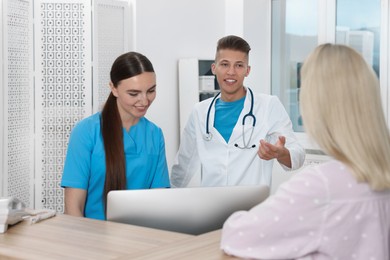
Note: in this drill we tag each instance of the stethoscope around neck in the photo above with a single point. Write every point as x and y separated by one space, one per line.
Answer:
208 136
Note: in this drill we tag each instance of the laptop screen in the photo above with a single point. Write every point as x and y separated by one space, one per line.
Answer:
194 210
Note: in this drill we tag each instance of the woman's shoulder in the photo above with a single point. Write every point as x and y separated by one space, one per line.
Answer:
89 123
333 170
337 178
323 170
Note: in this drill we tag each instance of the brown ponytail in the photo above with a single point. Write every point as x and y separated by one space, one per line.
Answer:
113 146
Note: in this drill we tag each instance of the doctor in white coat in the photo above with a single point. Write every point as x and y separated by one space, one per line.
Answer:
235 136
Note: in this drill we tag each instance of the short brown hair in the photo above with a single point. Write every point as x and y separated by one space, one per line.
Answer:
233 42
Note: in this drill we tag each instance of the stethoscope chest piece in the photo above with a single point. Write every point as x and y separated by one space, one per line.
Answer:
208 136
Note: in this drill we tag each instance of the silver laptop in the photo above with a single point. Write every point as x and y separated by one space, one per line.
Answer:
194 210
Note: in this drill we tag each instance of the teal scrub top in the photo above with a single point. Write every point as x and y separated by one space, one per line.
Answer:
226 116
85 164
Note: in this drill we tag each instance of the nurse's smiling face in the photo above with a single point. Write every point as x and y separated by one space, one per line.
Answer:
134 96
231 67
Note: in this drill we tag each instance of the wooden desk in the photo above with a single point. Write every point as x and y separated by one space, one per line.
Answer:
204 247
67 237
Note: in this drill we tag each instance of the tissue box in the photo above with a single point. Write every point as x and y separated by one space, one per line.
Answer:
206 83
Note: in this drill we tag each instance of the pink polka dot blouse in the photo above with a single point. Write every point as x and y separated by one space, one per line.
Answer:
320 213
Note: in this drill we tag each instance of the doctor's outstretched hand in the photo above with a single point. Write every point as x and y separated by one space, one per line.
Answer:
268 151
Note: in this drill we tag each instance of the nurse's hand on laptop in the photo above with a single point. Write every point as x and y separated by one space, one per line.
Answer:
268 151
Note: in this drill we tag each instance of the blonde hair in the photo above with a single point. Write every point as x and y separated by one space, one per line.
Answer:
341 109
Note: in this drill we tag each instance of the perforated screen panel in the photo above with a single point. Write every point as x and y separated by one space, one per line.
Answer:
47 86
110 40
18 92
63 88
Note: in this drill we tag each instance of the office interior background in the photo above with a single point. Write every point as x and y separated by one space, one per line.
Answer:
57 55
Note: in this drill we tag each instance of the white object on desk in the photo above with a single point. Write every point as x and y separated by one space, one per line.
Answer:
11 212
35 216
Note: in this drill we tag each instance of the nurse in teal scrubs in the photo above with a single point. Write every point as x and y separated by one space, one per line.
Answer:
117 148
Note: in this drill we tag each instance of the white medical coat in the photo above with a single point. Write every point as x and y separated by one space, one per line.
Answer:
223 164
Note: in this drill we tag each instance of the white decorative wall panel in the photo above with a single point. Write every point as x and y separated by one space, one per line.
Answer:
47 76
18 101
63 88
2 102
111 30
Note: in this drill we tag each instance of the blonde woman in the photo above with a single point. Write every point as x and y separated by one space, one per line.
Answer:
339 209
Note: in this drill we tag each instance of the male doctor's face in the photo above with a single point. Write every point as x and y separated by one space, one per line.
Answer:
231 67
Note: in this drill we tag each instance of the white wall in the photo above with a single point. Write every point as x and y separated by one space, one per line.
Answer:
2 100
257 31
